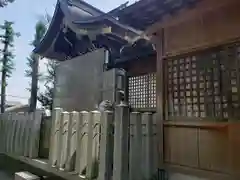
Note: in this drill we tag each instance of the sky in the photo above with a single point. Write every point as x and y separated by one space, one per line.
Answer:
25 14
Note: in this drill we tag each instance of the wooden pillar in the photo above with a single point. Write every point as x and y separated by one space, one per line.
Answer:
158 40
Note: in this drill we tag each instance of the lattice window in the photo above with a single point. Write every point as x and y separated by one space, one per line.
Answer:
142 91
205 84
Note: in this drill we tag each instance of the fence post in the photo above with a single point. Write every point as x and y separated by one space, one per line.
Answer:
106 146
93 145
121 132
72 140
64 139
135 146
35 134
55 133
82 135
147 121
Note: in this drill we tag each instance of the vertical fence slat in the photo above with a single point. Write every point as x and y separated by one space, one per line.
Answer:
24 133
64 139
55 133
72 141
35 134
17 135
106 146
147 121
21 133
1 132
93 144
8 133
155 144
29 119
79 125
59 141
81 161
135 146
121 131
14 130
4 127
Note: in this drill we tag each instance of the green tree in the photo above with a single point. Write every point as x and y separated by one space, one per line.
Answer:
33 64
7 40
5 2
46 97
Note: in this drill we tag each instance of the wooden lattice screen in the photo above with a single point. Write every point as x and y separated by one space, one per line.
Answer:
205 84
142 91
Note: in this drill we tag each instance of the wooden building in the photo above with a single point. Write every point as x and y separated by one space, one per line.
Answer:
188 72
86 42
198 84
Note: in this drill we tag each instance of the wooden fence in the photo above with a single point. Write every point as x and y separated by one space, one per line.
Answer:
105 145
20 133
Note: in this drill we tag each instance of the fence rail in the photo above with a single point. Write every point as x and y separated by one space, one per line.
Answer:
20 133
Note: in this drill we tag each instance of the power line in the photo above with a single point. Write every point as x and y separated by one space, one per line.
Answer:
21 97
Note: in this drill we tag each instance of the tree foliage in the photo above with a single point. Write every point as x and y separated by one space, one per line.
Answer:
5 2
7 39
46 97
33 64
40 29
30 64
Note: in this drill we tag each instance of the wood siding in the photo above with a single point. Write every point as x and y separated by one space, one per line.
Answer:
215 27
202 148
211 147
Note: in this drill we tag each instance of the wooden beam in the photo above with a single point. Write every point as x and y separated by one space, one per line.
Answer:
205 6
159 42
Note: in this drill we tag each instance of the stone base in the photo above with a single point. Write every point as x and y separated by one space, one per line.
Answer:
25 176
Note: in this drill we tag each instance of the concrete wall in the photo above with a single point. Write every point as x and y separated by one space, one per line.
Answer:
80 82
